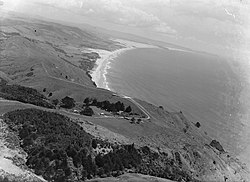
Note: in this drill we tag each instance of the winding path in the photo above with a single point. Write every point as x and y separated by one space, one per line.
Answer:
138 105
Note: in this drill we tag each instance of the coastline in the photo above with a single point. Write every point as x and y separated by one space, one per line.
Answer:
102 64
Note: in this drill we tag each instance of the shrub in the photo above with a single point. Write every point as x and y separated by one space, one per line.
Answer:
87 111
86 101
94 144
128 109
68 102
198 124
55 101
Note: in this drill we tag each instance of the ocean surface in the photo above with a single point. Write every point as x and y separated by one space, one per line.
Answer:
204 87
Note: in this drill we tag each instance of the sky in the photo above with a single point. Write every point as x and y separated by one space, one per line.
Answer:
193 23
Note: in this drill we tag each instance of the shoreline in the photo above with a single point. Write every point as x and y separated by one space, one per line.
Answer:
102 64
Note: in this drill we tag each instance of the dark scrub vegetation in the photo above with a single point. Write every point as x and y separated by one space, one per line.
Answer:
68 102
87 111
23 94
60 150
197 124
49 139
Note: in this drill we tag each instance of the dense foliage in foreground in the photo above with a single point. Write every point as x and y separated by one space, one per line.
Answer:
23 94
60 150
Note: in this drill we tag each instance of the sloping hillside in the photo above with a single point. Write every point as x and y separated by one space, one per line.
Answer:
32 50
59 143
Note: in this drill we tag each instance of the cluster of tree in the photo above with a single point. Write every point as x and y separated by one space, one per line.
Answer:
68 102
161 165
106 105
23 94
126 156
49 139
52 140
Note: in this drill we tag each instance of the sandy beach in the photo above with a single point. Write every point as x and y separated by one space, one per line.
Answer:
99 72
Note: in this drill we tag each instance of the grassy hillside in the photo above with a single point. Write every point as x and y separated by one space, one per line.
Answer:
42 62
23 94
51 58
33 49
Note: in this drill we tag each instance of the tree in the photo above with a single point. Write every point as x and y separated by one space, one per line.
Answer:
94 102
67 171
99 160
100 172
77 160
128 109
84 175
87 111
86 101
68 102
122 107
198 124
161 107
71 152
107 164
112 108
119 106
106 105
89 165
94 143
24 132
99 104
55 101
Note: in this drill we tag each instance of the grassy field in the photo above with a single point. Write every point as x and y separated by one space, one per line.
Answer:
46 56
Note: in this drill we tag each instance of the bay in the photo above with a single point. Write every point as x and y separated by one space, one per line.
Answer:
204 87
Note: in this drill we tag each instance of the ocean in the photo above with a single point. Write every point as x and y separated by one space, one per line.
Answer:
204 87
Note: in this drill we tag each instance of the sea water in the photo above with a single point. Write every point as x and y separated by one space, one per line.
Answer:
204 87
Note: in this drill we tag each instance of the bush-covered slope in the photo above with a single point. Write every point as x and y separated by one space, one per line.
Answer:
60 150
23 94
